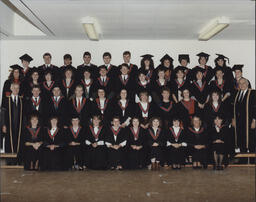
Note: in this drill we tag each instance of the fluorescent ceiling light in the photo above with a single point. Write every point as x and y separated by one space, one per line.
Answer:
213 27
92 28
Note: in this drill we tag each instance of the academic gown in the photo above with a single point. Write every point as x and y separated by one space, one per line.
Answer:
64 67
200 93
112 71
90 90
156 88
167 110
133 70
145 114
108 85
46 90
28 85
94 70
139 87
96 158
208 73
177 88
54 70
123 112
68 90
127 84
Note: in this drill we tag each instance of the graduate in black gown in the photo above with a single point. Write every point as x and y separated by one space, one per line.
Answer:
87 64
238 70
136 145
13 106
112 70
147 65
75 137
88 83
53 146
30 82
16 76
33 140
48 66
184 60
47 84
68 83
133 69
96 153
198 140
219 137
116 142
142 84
167 65
25 61
67 59
221 62
176 142
156 142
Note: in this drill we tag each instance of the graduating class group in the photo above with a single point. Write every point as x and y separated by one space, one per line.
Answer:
121 117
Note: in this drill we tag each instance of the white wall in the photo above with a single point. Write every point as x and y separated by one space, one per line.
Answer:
239 52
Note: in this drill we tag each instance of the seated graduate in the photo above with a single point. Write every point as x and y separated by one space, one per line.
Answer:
67 59
96 152
68 83
179 83
132 68
88 83
123 107
47 84
158 84
136 145
176 144
147 66
33 140
167 65
53 146
116 142
166 107
29 83
144 109
156 142
198 141
75 137
219 141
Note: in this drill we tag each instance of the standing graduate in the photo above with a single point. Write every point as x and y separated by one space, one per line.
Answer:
167 65
219 141
132 68
207 70
75 137
47 84
96 153
221 62
156 142
142 84
14 122
68 83
116 142
136 145
176 144
88 83
147 65
16 76
53 146
25 61
87 64
48 66
238 70
112 71
30 82
198 142
67 58
184 60
33 140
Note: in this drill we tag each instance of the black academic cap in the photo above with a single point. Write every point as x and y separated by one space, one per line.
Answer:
166 57
202 54
223 57
180 68
147 56
237 67
184 57
16 67
26 57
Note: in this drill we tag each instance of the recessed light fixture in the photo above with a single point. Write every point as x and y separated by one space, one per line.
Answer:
92 28
213 27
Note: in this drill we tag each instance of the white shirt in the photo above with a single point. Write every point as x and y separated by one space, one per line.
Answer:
102 104
161 82
57 98
52 131
243 92
87 81
89 64
123 103
200 83
103 78
124 77
15 96
79 99
155 130
197 129
47 65
143 83
215 104
144 105
36 99
176 130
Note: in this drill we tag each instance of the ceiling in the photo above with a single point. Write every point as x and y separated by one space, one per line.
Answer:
130 19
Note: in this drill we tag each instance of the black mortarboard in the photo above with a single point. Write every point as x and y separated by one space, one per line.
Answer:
202 54
26 57
184 57
147 56
166 57
223 57
180 68
237 67
16 67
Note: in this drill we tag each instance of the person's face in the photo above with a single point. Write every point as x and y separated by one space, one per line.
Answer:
75 122
124 70
186 94
243 85
15 89
238 74
147 63
218 121
34 121
143 97
116 122
16 73
155 123
180 74
68 74
199 75
48 77
176 123
67 61
25 63
123 94
167 63
215 97
79 92
35 92
127 58
35 76
56 92
135 123
87 59
219 74
165 94
54 122
202 61
161 74
87 75
47 59
101 93
220 62
184 63
196 122
96 121
106 59
142 77
103 72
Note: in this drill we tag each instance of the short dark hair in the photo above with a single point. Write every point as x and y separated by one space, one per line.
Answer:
106 54
47 54
67 56
152 119
124 65
36 86
127 53
86 53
